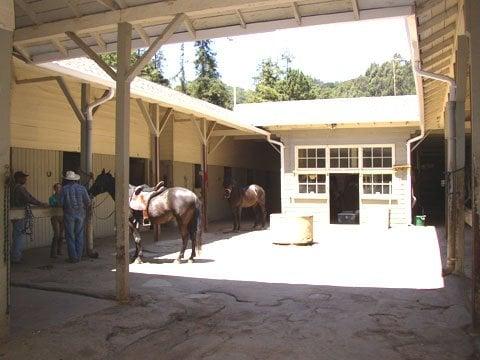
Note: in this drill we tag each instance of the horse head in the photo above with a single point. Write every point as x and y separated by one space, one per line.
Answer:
104 182
228 187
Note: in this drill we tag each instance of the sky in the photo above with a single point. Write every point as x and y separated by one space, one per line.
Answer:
333 52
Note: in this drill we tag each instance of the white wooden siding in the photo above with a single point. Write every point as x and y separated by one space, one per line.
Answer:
369 210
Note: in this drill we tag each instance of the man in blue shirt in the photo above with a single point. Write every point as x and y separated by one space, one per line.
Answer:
75 201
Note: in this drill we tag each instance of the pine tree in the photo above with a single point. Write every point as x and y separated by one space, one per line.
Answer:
208 86
183 79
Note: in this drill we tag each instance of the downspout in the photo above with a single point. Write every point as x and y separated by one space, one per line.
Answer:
281 151
88 162
451 149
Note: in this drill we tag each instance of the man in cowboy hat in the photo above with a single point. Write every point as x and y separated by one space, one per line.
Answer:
20 198
75 201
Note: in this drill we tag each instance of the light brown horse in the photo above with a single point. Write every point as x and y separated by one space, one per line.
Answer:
245 197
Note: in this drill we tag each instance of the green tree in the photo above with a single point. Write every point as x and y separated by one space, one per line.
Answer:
266 82
297 86
208 86
152 71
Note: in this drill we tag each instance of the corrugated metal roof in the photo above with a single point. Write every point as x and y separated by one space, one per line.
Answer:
393 110
88 70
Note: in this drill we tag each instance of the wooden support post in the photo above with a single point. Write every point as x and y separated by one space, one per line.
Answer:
6 42
472 22
459 175
205 178
449 185
155 159
86 162
122 137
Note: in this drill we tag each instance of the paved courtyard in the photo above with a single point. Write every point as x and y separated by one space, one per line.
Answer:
355 294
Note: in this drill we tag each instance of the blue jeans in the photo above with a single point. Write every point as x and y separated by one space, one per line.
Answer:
18 240
74 234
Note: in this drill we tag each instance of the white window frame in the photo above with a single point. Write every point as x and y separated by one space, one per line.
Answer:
360 170
391 146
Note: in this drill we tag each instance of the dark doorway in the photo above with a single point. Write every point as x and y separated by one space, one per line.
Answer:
137 171
428 175
70 162
344 199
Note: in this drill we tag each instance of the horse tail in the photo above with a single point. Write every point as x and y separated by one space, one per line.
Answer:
196 226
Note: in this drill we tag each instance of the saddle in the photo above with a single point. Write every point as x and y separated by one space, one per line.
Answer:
141 198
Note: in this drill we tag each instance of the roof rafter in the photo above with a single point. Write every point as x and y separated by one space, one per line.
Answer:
427 5
356 10
92 54
111 4
100 42
28 11
190 28
439 58
296 13
439 47
243 24
73 6
437 35
59 46
438 18
142 33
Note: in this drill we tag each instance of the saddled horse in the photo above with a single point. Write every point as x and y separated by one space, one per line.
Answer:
245 197
160 205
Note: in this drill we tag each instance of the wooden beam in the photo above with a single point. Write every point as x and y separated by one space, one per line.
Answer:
136 68
122 146
59 46
437 35
163 122
190 28
440 67
162 11
92 54
243 24
142 33
448 43
24 52
461 65
427 6
296 14
100 42
36 80
112 5
438 18
439 58
210 130
228 133
28 11
355 9
71 101
73 6
217 144
147 118
201 135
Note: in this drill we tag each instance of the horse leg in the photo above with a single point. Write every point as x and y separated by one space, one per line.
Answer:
263 214
137 257
255 214
184 234
239 218
234 212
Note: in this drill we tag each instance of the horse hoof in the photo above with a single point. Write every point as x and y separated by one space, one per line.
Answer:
176 261
138 260
191 261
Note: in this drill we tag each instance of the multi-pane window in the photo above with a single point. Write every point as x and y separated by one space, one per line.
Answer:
312 184
344 157
377 157
375 184
311 158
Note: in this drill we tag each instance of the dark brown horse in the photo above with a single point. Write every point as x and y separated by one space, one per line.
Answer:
245 197
179 204
163 205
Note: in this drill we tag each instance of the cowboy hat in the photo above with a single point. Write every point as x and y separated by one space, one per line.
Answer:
70 175
19 174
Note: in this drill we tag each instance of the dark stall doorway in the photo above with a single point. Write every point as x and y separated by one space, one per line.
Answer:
428 176
138 171
71 162
344 199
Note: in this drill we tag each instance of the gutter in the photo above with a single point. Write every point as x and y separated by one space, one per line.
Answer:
281 151
451 154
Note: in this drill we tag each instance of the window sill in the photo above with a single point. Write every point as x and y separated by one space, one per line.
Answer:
378 197
310 196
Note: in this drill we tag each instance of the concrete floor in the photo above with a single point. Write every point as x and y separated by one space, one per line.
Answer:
356 294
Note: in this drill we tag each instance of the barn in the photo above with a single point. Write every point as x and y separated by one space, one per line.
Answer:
344 158
46 141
